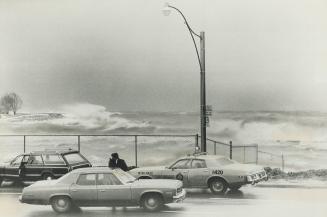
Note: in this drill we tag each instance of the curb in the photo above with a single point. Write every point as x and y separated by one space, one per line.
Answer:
291 186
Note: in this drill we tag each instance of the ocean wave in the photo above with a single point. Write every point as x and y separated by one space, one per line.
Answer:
75 118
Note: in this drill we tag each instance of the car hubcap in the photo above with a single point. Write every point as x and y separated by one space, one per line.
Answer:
61 203
218 186
151 202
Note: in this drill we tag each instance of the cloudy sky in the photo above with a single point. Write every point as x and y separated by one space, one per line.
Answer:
125 55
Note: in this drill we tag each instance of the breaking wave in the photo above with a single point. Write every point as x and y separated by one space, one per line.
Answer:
75 118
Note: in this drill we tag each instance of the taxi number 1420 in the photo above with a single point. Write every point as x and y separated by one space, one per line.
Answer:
218 172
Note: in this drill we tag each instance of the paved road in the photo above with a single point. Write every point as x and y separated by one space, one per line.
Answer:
250 202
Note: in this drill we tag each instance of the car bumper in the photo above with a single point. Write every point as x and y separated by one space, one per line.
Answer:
257 180
179 197
31 200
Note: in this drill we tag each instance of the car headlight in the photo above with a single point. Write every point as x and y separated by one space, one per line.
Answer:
249 178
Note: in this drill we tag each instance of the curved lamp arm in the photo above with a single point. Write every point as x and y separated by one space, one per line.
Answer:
192 33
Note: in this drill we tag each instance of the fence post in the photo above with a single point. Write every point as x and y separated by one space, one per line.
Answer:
215 148
243 153
196 142
230 149
283 162
24 143
79 143
257 154
135 140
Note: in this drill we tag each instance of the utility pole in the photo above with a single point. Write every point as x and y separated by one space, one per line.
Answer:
203 116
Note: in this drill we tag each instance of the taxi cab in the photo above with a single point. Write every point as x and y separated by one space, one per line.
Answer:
206 171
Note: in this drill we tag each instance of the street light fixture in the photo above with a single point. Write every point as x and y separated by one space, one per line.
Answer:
201 59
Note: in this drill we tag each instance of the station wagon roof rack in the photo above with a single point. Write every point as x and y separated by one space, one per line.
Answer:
54 150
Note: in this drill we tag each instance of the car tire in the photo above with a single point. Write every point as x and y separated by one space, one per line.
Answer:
235 188
218 186
152 202
61 204
47 176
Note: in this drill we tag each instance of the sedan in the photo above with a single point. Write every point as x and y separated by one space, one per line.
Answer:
205 171
101 186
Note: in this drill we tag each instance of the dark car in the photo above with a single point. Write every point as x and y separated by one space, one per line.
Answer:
41 165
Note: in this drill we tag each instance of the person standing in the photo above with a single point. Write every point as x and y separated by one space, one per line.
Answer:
116 162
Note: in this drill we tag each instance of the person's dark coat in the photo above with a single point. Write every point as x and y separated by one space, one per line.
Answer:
118 163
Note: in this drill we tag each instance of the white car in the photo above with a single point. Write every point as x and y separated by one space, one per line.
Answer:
206 171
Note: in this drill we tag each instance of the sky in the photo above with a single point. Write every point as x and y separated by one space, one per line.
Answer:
126 55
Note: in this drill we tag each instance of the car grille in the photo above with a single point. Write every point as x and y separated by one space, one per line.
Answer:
258 175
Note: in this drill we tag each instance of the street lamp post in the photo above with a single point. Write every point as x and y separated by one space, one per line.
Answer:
201 59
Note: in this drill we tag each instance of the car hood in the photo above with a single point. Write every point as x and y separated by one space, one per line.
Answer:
244 168
157 183
44 183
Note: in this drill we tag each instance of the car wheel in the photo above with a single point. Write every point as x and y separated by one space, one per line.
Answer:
218 186
235 188
152 202
47 176
61 204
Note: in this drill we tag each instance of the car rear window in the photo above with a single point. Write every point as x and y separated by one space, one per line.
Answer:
74 158
53 159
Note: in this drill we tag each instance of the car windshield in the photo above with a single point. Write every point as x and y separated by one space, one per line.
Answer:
124 177
220 161
68 178
224 161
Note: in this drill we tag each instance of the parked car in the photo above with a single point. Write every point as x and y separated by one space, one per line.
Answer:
38 165
102 186
205 171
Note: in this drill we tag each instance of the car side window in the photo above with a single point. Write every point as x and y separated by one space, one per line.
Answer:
107 179
53 159
196 164
86 179
182 164
25 159
35 160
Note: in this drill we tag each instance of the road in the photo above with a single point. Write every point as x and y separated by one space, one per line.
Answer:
249 202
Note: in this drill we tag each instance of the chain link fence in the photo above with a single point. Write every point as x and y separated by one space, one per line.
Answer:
137 150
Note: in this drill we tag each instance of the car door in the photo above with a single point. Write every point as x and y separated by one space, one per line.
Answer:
198 173
84 191
12 170
111 191
34 167
181 169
